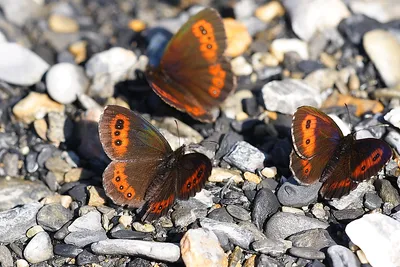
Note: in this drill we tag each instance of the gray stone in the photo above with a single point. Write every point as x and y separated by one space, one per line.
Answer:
184 216
236 234
19 12
266 261
220 215
313 238
10 161
387 192
155 250
383 11
287 95
53 216
354 200
19 192
238 212
372 201
39 248
65 82
298 195
309 17
340 256
378 236
264 205
20 66
347 214
6 259
283 224
383 49
245 157
84 238
270 246
307 253
15 222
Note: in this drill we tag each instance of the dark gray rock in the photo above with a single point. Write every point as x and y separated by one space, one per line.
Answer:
270 246
15 222
307 253
31 164
313 238
265 204
339 256
387 192
284 224
356 26
182 217
53 216
86 257
238 212
84 238
298 195
220 215
266 261
63 232
372 201
347 214
129 234
67 250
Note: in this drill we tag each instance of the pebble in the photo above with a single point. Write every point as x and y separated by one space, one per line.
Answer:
287 95
387 192
372 201
292 210
340 256
57 164
270 11
355 27
86 258
266 261
18 60
283 224
383 11
35 106
22 263
20 192
161 251
318 211
34 230
66 250
129 234
236 235
269 246
200 247
354 200
307 253
281 46
65 81
53 216
381 245
264 205
39 248
97 196
269 172
10 161
314 238
298 195
238 212
393 117
6 259
347 214
144 228
220 214
251 177
62 24
309 17
246 157
241 67
107 68
383 48
238 37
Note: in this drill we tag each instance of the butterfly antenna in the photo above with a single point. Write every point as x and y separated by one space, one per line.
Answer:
348 114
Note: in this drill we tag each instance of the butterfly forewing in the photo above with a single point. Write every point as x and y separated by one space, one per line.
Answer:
126 136
308 171
368 156
314 133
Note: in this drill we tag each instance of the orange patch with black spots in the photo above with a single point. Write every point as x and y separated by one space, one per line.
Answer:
194 180
120 126
120 181
367 163
217 81
308 126
204 32
159 206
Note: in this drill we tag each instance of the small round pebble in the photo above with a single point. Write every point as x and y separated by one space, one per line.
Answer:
39 248
238 212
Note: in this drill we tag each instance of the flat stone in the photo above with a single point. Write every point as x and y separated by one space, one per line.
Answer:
378 236
307 253
39 248
221 215
66 250
298 195
200 247
314 238
264 205
287 95
155 250
283 224
15 222
246 157
383 48
238 212
270 246
20 65
372 201
53 216
347 214
84 238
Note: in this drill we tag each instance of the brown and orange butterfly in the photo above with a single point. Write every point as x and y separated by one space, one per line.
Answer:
144 168
322 153
193 75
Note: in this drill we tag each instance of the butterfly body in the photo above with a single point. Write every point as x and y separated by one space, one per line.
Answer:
193 75
144 168
321 153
